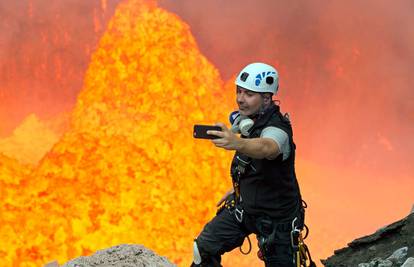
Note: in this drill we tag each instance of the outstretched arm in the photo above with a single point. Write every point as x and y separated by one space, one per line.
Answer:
257 148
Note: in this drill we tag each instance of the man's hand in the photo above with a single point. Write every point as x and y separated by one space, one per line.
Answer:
228 140
228 193
257 148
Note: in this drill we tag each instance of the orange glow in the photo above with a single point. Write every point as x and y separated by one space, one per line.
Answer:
29 142
45 51
128 162
123 167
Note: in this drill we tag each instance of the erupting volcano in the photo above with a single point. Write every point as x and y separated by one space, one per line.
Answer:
125 170
123 167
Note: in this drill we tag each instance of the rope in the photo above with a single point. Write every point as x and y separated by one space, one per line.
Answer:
250 247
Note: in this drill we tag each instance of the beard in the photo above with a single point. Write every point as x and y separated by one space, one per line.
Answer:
244 110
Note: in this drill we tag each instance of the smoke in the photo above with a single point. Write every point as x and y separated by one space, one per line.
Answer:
344 66
345 79
44 52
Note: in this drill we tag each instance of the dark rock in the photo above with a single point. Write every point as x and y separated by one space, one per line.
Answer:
393 243
378 234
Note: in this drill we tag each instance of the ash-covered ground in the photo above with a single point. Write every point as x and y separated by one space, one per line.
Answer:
121 256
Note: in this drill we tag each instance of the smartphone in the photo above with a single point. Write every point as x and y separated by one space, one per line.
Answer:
200 131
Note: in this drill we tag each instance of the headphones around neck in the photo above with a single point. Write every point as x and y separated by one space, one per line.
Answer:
240 123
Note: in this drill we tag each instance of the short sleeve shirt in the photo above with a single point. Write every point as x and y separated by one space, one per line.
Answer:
280 137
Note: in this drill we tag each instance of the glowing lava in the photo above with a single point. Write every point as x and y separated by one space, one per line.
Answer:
125 172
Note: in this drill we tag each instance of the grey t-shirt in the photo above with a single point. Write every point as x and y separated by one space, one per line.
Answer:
280 137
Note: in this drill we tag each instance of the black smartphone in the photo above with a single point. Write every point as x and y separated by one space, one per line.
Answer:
200 131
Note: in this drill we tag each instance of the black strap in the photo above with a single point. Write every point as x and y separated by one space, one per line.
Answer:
311 262
243 162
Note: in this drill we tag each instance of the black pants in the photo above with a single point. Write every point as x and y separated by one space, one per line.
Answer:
224 233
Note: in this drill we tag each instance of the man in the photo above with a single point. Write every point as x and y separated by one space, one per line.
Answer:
265 198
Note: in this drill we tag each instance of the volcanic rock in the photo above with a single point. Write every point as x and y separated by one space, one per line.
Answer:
389 246
121 256
409 262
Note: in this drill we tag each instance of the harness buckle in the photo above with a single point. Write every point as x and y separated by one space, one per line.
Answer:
241 165
238 213
294 235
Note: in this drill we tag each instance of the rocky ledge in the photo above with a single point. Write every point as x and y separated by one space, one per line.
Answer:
390 246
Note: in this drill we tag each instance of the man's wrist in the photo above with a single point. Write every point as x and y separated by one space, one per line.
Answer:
240 144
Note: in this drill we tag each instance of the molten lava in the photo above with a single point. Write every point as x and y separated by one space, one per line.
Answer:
124 168
125 172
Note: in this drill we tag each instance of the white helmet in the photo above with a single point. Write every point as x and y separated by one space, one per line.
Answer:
259 77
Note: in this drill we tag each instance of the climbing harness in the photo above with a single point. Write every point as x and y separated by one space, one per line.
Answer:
301 254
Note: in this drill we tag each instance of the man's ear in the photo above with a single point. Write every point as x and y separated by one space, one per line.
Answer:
267 98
